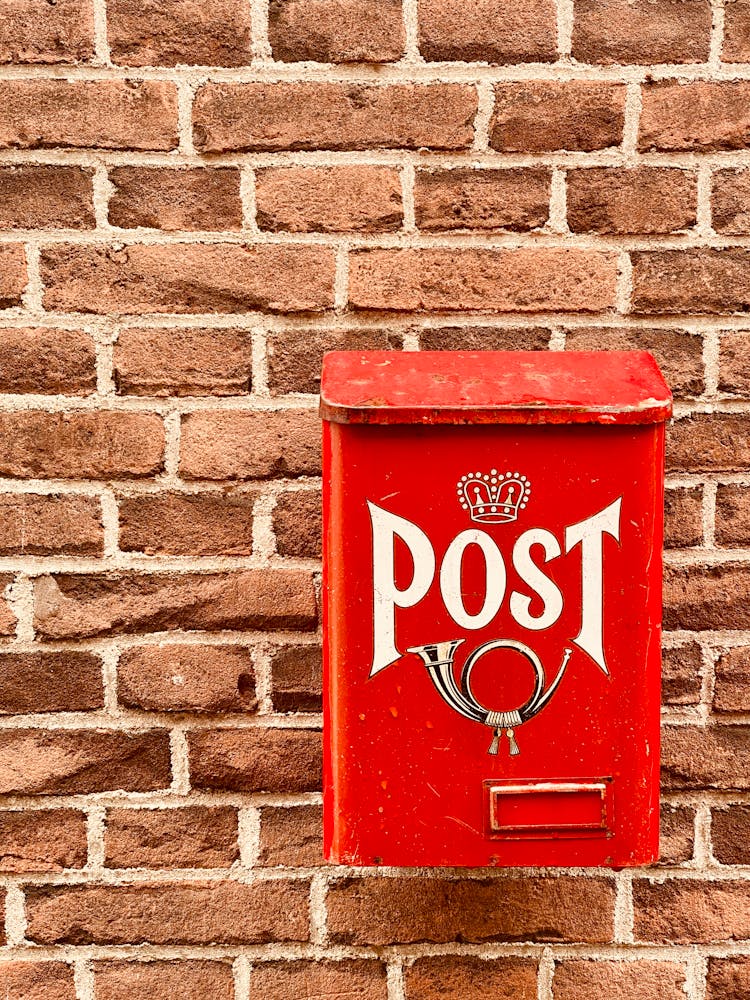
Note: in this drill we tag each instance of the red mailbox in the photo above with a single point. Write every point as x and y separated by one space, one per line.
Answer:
492 579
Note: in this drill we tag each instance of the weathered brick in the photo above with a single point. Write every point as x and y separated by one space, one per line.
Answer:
176 199
494 31
643 200
297 524
385 910
483 338
709 442
691 281
728 978
297 679
707 597
31 32
7 615
291 837
681 677
89 444
699 115
470 198
295 356
640 31
37 981
13 274
177 361
70 762
733 516
677 834
736 34
730 202
706 757
734 363
58 524
260 445
36 359
193 837
256 760
336 31
732 684
195 32
683 517
730 835
46 197
42 840
183 524
346 116
363 978
687 911
471 978
192 979
98 114
590 980
543 116
66 681
358 199
680 354
525 280
79 605
187 278
163 913
182 678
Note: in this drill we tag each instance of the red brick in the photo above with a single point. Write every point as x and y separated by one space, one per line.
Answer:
728 978
730 835
734 363
256 760
648 200
187 278
191 979
42 840
31 32
639 31
736 34
707 597
37 981
388 910
691 281
195 32
177 361
681 674
471 978
483 338
260 445
193 837
494 31
733 516
163 913
706 757
543 116
346 116
590 980
80 605
182 678
67 681
71 762
98 114
46 197
183 524
683 517
363 978
525 280
58 524
291 837
7 615
357 199
470 198
730 202
297 524
176 199
35 359
80 445
680 354
709 442
296 679
295 356
677 834
336 31
13 274
732 683
687 911
699 115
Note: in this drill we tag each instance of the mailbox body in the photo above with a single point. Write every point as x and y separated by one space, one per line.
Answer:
492 607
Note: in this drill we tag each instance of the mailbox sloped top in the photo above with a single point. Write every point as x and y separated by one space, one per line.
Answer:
493 387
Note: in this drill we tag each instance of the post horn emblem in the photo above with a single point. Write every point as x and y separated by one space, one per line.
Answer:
438 658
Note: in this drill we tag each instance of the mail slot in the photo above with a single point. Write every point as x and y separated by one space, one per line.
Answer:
492 607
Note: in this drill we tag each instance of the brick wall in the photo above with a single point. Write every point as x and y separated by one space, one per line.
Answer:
197 197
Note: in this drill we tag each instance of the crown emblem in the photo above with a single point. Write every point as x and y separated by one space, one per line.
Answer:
494 498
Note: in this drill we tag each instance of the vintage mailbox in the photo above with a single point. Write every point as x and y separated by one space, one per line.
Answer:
492 579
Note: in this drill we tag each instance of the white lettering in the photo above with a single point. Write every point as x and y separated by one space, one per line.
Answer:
494 579
538 581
